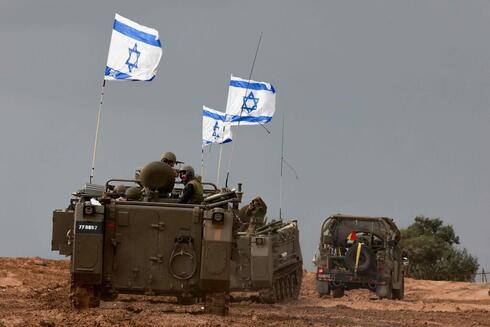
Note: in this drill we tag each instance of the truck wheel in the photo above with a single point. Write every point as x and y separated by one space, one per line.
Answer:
384 291
322 288
399 294
338 292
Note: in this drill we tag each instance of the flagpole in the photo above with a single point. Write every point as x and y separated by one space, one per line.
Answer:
221 146
219 162
202 163
282 161
235 137
92 171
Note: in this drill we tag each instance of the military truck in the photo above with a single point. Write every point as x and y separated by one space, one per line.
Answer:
359 252
134 238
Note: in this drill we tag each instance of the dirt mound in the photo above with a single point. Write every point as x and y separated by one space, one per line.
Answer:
34 292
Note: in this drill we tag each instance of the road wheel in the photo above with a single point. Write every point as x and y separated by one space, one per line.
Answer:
287 286
338 292
297 280
282 289
278 291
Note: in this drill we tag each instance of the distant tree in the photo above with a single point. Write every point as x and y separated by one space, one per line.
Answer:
433 252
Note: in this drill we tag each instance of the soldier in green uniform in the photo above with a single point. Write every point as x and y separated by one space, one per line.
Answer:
193 192
253 214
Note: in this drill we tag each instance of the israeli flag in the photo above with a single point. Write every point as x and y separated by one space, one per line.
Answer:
134 53
213 122
250 103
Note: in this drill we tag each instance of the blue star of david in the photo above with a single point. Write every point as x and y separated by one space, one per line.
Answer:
215 128
250 102
135 55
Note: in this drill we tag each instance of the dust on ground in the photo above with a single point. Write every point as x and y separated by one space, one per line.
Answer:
34 292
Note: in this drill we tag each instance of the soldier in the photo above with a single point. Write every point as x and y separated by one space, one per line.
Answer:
134 193
193 191
253 214
169 158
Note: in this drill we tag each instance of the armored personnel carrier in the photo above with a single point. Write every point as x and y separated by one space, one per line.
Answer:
269 261
131 236
359 252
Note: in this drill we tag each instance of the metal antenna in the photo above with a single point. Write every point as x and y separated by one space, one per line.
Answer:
282 160
92 171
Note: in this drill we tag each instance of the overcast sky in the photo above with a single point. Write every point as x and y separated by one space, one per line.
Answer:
386 107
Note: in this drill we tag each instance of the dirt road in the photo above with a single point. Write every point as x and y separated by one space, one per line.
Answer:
34 292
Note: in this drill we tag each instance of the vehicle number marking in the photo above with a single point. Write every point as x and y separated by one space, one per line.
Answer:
89 227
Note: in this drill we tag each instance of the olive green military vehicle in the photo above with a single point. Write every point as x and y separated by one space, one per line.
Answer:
359 252
131 236
268 260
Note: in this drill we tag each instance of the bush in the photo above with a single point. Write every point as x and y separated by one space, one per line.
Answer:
433 252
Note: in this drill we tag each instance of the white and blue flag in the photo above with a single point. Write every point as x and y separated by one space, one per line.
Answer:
250 102
213 122
134 53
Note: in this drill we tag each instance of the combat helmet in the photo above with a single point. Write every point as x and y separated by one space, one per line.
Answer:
169 157
134 193
189 171
120 189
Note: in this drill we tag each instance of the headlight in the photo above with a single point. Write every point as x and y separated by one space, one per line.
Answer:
88 210
218 217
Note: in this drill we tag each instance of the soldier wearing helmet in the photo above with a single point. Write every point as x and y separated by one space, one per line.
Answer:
169 158
253 214
134 193
193 191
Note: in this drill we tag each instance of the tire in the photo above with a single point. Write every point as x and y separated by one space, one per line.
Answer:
366 258
322 288
384 291
399 294
338 292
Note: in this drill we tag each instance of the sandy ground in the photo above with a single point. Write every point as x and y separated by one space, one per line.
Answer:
34 292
